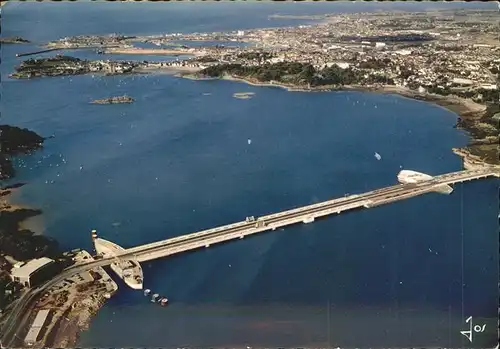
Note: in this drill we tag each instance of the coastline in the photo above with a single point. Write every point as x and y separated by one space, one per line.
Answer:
23 240
178 71
7 205
66 334
74 316
17 238
146 51
80 305
461 106
21 224
466 109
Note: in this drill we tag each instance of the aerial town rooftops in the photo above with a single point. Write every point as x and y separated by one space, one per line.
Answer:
461 81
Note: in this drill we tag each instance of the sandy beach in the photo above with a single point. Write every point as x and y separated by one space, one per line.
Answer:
466 108
13 214
5 204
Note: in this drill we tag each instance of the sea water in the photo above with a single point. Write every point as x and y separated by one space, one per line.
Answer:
178 160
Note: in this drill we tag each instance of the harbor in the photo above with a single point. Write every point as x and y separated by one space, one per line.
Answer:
190 157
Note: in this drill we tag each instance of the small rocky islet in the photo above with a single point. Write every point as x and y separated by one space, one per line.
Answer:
114 100
14 40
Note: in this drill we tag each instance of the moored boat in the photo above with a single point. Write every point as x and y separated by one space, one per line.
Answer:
129 270
154 298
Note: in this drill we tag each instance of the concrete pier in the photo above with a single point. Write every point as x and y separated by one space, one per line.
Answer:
36 52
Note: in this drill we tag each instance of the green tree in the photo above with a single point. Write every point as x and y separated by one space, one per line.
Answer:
307 73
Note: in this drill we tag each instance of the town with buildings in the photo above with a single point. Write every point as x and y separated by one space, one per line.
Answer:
437 53
448 57
426 51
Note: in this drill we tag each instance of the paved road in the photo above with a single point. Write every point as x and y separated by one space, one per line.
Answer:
18 317
399 189
196 241
273 218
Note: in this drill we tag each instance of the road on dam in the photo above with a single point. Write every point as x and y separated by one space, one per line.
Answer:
17 317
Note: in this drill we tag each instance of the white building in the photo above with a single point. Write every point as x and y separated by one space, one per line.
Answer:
342 65
34 331
276 59
403 52
463 82
489 87
24 273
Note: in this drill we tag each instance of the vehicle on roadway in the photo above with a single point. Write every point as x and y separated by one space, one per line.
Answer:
250 219
18 316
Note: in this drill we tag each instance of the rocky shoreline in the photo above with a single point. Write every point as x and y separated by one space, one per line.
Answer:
15 141
470 160
14 40
114 100
71 310
18 244
22 244
78 307
473 117
15 241
61 65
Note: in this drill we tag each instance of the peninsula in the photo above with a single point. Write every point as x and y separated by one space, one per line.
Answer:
21 247
15 141
13 40
66 65
447 57
15 242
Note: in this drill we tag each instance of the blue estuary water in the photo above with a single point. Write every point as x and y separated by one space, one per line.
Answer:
179 160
